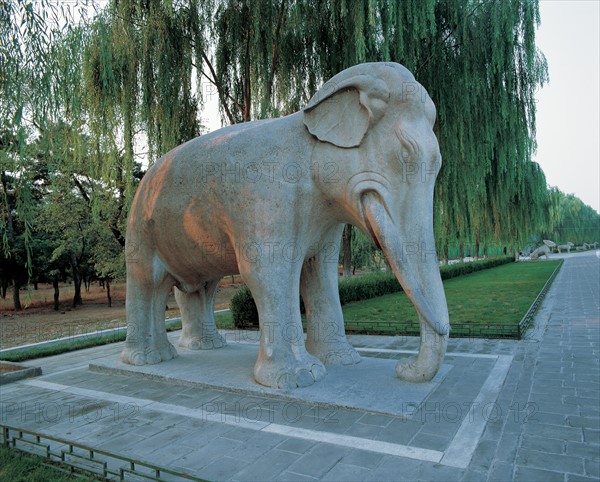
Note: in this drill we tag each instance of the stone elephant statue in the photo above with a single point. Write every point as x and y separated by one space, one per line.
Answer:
565 247
543 250
268 199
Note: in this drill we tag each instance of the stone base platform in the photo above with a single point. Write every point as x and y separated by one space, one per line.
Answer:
370 386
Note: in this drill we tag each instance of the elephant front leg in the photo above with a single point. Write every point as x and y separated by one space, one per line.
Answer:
326 337
424 366
199 331
283 361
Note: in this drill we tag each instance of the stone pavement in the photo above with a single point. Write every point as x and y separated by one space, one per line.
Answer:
506 410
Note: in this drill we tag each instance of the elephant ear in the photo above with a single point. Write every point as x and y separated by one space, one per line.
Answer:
342 111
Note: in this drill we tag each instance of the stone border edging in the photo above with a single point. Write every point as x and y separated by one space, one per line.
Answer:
22 371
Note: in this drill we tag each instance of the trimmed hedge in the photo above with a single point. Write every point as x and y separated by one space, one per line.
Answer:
459 269
358 288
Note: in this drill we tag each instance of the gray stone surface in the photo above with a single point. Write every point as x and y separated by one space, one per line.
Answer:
368 386
518 441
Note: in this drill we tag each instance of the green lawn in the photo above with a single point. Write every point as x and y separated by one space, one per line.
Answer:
488 303
485 303
16 466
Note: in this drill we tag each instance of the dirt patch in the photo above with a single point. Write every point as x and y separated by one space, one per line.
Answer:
4 368
39 322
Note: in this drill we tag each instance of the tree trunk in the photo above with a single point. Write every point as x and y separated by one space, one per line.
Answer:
16 296
347 250
476 253
445 255
461 251
5 284
35 285
247 89
56 293
108 292
77 300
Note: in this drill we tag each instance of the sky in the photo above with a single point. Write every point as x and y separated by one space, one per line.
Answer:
568 107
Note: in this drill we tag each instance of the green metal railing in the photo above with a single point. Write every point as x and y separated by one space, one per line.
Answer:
76 458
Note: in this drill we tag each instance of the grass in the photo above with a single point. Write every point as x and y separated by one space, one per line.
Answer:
488 303
20 467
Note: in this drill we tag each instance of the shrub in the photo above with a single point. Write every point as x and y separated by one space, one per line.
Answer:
368 286
243 309
459 269
245 314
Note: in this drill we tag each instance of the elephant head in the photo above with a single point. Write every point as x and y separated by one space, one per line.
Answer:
375 123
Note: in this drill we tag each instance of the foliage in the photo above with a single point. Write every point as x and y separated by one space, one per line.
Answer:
487 304
459 269
80 100
243 309
367 286
245 314
283 53
572 220
364 254
18 466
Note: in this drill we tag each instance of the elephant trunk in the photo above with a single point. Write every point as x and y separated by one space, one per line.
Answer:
408 243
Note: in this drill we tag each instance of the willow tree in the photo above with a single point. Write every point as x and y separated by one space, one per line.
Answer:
134 72
140 79
477 59
573 221
482 73
24 89
27 32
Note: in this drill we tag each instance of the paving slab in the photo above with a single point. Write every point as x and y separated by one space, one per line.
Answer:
370 385
505 410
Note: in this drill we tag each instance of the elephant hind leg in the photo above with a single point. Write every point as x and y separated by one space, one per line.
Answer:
148 286
199 331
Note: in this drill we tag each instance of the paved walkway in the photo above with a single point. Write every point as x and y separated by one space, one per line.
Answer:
506 410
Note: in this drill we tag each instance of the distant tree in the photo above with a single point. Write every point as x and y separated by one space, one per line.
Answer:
19 243
364 253
573 221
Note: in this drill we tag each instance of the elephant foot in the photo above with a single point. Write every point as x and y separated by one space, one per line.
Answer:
147 354
411 370
289 372
205 342
341 353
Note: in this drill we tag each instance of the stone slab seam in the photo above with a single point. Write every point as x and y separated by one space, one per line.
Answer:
458 454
